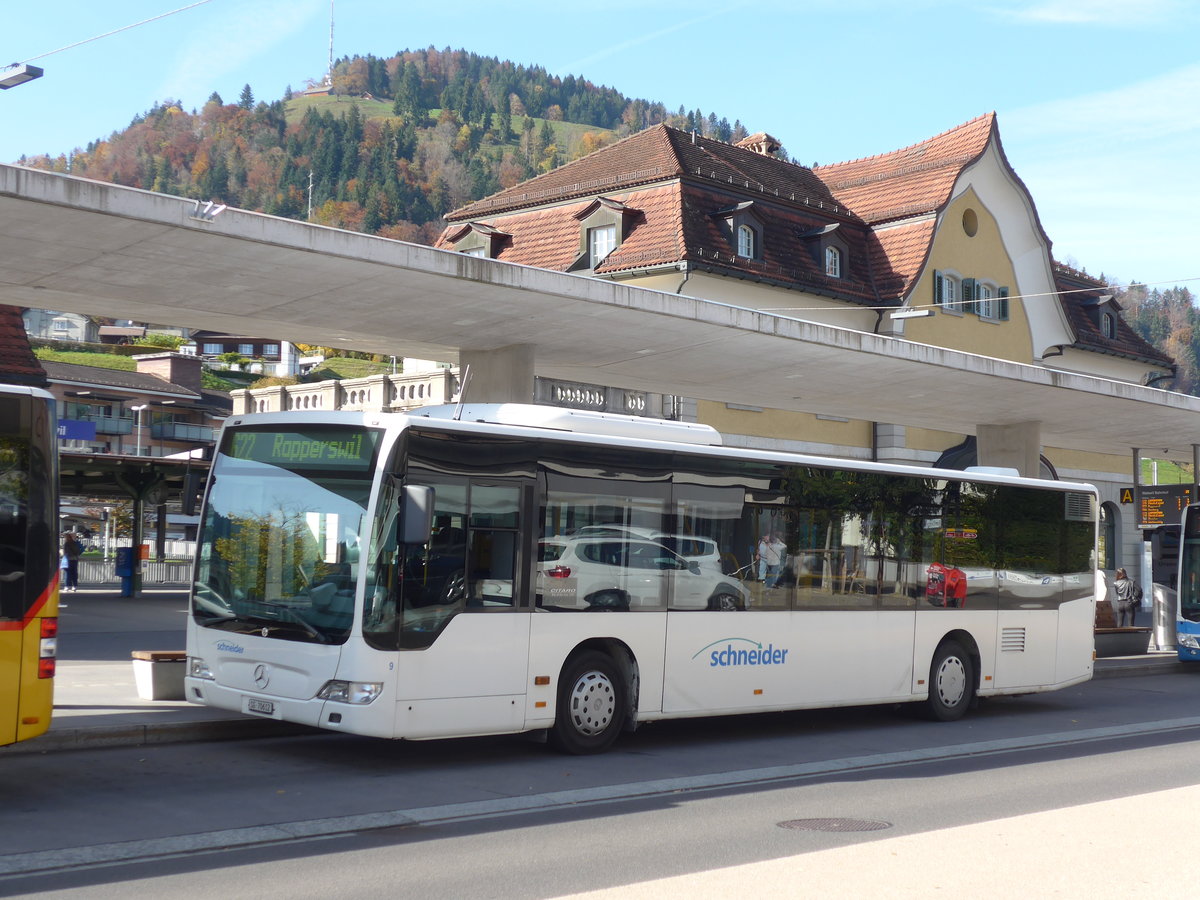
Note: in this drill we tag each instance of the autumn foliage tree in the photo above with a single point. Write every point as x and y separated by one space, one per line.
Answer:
402 141
1168 319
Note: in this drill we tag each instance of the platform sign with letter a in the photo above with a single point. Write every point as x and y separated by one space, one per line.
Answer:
1162 504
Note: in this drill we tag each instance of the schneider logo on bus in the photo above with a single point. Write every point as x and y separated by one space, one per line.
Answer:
754 655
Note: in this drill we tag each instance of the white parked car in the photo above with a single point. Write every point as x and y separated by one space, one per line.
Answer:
691 547
619 572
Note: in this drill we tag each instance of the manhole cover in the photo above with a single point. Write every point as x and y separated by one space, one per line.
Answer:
835 825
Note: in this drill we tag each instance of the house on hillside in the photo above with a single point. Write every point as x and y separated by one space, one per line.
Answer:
53 325
271 355
938 243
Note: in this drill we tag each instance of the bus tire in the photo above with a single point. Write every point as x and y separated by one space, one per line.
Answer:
951 682
591 705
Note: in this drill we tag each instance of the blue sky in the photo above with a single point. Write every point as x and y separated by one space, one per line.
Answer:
1098 100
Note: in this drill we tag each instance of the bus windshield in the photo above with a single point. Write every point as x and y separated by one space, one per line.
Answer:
279 547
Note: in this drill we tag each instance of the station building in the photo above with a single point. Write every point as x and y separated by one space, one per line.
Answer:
938 243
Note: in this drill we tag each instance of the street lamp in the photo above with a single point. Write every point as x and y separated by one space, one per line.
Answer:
138 410
17 73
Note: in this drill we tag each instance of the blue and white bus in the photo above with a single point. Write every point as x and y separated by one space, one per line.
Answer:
499 569
1187 615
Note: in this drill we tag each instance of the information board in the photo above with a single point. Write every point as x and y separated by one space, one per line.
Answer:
1162 504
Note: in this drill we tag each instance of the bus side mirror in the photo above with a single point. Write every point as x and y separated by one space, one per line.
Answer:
416 519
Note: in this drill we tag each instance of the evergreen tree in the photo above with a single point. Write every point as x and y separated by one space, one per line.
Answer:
246 100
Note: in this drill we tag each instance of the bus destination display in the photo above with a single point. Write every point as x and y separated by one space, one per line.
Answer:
348 449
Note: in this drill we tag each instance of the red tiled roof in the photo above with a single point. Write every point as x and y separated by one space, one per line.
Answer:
1079 295
911 181
672 183
658 154
900 255
674 222
18 365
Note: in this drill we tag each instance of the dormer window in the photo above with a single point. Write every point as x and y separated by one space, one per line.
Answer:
745 241
478 239
603 226
1108 325
601 242
833 262
743 229
829 252
1103 311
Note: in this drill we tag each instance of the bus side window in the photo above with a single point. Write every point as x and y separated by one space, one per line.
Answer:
493 565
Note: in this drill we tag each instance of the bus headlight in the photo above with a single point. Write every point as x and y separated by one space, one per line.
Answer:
198 668
360 692
1191 641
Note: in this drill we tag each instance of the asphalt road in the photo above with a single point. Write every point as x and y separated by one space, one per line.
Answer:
502 817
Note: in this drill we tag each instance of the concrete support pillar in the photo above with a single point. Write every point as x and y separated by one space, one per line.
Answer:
1016 446
503 375
890 444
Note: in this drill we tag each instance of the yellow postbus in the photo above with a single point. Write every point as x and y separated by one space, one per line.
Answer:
28 561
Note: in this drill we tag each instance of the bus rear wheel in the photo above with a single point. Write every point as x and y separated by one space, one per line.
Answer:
591 705
951 683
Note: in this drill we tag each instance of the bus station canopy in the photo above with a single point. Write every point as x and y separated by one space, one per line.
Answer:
75 245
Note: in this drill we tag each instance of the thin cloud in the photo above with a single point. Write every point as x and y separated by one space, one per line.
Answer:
1113 13
232 40
1108 176
1148 111
581 64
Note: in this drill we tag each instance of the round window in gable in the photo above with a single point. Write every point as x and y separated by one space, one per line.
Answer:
970 222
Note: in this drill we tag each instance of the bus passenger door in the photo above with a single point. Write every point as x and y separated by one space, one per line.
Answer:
465 647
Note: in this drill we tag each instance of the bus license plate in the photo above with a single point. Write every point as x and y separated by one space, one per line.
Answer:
259 707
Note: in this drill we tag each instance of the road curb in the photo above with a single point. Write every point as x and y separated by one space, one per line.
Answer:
102 736
1126 666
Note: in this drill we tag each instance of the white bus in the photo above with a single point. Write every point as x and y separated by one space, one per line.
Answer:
494 569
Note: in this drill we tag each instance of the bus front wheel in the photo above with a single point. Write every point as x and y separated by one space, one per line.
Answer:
591 705
951 682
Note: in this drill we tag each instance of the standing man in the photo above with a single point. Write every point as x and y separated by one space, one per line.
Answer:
771 552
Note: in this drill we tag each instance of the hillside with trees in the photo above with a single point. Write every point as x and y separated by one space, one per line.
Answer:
394 144
1169 320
